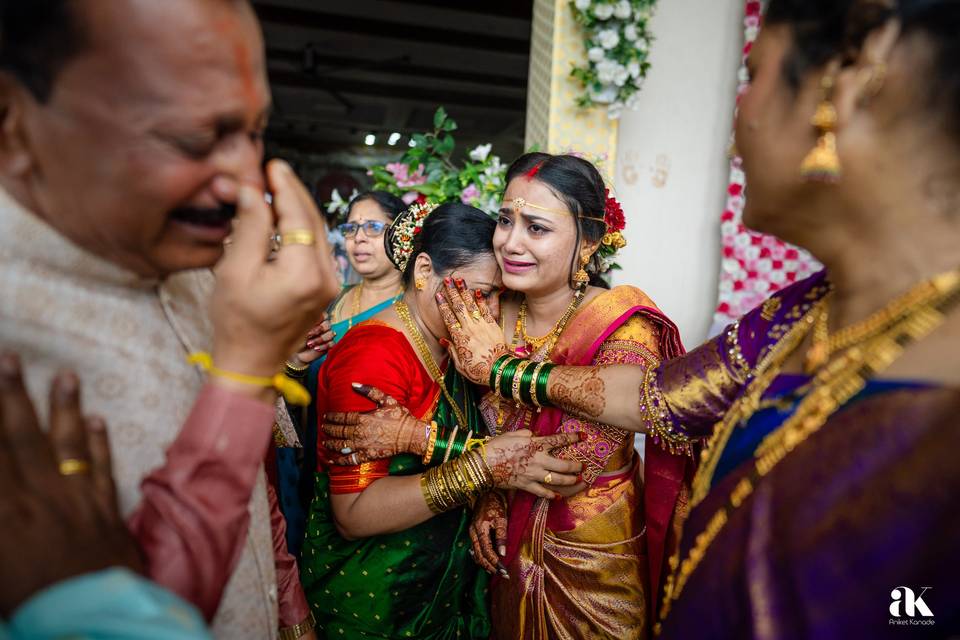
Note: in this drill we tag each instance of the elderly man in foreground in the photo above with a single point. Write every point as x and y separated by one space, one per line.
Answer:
130 149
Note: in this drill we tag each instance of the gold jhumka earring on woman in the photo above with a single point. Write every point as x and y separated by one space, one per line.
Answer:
822 163
581 277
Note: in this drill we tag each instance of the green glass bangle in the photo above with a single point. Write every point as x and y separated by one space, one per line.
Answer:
541 384
501 361
440 447
458 445
525 381
506 379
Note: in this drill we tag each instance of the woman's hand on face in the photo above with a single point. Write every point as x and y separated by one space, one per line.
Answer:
518 460
476 338
384 432
488 533
319 340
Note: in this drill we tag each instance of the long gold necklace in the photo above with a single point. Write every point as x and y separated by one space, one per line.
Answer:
357 294
825 345
432 368
834 384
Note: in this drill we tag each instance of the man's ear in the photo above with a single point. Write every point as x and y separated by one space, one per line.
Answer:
16 158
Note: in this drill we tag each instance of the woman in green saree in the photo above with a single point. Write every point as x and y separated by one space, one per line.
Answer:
386 553
369 215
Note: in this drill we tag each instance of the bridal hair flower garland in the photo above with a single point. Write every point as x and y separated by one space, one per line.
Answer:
617 40
613 239
403 232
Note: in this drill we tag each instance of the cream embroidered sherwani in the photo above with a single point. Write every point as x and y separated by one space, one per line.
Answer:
128 339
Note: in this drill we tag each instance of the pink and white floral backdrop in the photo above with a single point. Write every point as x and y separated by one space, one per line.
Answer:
752 265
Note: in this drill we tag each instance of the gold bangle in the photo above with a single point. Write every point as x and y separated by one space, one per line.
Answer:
484 482
294 632
453 436
515 384
293 371
428 494
431 441
533 383
481 461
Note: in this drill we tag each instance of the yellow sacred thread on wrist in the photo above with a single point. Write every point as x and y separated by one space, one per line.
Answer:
291 390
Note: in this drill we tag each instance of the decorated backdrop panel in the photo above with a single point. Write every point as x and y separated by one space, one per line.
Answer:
753 265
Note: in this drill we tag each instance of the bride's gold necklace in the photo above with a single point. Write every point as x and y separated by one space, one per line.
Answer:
536 347
432 368
536 344
878 344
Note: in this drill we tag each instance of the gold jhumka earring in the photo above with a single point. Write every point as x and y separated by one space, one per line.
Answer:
420 283
581 277
822 164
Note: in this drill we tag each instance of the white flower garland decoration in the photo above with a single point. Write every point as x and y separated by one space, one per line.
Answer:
617 40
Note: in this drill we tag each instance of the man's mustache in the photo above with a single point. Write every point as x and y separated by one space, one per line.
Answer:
208 216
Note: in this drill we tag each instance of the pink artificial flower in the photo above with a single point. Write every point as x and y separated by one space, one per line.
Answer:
469 194
401 173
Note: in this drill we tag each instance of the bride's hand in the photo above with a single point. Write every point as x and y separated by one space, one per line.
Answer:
382 433
518 460
489 528
477 340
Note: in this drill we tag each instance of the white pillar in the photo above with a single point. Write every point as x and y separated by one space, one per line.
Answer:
672 166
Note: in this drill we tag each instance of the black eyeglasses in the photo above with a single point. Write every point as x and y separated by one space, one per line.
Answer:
371 228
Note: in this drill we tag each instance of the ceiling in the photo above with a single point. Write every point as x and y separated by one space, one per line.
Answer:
342 71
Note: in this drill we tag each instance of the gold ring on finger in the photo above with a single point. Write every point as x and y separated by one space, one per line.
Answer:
457 325
548 479
476 315
73 466
298 236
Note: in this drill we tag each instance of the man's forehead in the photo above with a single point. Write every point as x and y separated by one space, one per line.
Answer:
178 50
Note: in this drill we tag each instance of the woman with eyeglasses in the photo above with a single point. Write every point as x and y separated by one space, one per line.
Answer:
368 216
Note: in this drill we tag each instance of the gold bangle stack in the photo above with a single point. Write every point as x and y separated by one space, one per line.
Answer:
456 483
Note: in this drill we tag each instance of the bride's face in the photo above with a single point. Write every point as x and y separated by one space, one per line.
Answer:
535 248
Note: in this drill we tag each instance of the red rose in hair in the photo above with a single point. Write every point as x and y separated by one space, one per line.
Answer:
614 215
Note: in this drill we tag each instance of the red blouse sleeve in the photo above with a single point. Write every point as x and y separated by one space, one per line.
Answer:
376 355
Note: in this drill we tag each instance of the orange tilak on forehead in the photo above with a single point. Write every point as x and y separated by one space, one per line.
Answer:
229 29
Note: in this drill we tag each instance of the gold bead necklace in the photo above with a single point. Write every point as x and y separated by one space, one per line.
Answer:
432 368
825 345
537 344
